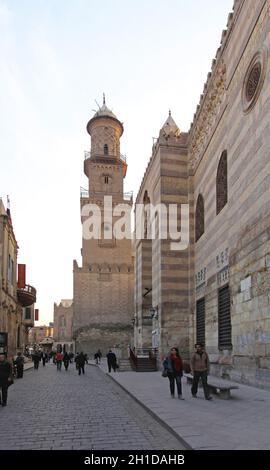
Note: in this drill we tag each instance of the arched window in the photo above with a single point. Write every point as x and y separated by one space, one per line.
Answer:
106 179
222 182
146 202
62 321
106 150
106 237
199 218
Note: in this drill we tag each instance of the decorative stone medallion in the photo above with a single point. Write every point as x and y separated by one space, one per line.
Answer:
254 79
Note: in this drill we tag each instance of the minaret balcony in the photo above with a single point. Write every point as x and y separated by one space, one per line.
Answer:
87 155
26 295
128 196
106 159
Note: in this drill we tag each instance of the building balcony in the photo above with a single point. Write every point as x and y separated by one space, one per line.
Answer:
26 296
29 323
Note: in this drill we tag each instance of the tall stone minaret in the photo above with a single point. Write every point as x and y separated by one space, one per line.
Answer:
103 286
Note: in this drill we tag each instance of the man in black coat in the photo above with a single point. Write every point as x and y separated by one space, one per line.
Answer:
5 378
80 361
111 360
19 363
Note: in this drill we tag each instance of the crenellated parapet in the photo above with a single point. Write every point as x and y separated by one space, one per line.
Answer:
123 268
111 268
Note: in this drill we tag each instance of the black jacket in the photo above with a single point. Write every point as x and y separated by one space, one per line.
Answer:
80 360
5 371
111 358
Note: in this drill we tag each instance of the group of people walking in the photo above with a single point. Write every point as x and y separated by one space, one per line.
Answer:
199 365
172 364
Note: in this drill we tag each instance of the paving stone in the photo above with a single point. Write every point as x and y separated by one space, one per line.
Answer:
52 410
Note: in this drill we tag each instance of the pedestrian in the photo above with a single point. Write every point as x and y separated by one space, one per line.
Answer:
80 362
200 368
111 360
36 359
66 360
59 358
19 363
99 355
173 365
96 357
75 360
70 355
44 358
5 378
54 355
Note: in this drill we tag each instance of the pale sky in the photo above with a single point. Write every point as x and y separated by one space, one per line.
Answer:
56 58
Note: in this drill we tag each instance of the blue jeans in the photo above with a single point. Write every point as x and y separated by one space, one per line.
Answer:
174 377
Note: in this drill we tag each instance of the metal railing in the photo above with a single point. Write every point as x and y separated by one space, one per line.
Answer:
128 196
133 359
87 154
84 192
137 354
123 158
28 289
146 352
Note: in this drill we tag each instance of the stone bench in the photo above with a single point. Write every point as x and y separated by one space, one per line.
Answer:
218 386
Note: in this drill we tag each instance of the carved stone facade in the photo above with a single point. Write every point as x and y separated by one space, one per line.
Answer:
223 278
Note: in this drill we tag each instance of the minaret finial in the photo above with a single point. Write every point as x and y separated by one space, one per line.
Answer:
170 112
104 99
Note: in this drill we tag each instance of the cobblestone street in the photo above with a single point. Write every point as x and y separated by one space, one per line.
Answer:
61 410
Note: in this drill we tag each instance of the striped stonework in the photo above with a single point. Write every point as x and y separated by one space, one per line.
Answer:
225 159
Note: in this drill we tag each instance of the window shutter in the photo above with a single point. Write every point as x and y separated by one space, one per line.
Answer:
224 319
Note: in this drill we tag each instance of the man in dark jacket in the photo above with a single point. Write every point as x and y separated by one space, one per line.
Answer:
80 362
19 363
200 368
5 378
36 358
111 359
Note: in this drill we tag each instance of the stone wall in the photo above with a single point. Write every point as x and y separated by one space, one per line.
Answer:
234 248
103 301
63 321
